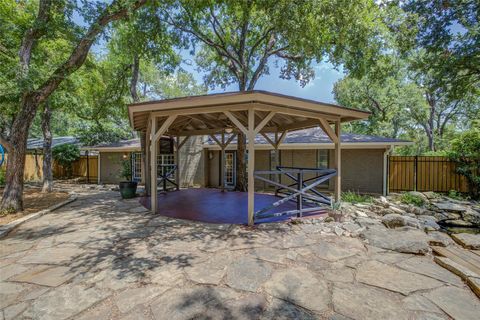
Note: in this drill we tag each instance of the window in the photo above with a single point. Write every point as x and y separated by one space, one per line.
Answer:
137 166
165 163
322 162
322 158
230 168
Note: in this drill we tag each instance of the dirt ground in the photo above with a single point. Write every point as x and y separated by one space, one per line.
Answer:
34 200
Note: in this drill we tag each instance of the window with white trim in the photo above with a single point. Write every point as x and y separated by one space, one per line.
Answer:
137 166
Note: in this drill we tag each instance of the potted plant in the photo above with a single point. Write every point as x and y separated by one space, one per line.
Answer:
128 188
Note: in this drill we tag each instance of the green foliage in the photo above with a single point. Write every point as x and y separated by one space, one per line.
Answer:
409 198
65 155
126 171
465 151
355 197
454 194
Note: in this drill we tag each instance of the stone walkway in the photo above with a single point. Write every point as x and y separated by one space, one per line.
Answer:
104 258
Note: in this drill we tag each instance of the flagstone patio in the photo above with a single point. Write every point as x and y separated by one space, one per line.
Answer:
105 258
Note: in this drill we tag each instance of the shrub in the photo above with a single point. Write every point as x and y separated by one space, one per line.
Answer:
354 197
126 171
409 198
454 194
65 155
466 153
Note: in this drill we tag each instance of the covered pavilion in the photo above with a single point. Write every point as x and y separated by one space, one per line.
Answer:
222 116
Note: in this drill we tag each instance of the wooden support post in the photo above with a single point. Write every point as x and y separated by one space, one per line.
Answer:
153 161
153 166
338 162
251 165
222 162
177 162
98 168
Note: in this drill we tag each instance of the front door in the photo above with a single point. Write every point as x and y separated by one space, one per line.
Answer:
230 165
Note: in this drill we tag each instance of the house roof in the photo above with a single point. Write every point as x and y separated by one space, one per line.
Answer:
36 143
206 114
312 136
317 136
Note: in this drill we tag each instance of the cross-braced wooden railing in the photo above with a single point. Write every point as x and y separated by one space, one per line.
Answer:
166 174
302 190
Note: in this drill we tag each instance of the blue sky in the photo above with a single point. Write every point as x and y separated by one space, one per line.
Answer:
320 88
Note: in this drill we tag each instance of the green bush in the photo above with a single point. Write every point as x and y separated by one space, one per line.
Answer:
454 194
65 155
354 197
465 151
409 198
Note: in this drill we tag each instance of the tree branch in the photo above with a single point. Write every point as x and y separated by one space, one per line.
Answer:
114 11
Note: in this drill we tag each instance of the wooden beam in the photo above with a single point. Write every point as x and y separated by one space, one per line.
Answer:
268 139
264 121
217 141
282 137
338 163
236 122
328 130
153 167
183 142
164 126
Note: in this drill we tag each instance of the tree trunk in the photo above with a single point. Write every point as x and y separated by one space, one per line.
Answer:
13 192
241 169
241 176
47 150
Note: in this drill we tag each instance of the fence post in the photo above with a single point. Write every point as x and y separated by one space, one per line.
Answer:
88 168
415 164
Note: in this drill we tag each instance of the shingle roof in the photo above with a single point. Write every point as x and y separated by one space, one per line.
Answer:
36 143
132 143
312 135
316 135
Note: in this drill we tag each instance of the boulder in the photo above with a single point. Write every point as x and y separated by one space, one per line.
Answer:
419 194
430 195
468 240
472 216
429 222
395 220
404 240
395 209
458 223
449 206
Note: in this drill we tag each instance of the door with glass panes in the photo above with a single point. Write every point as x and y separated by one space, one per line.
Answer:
230 165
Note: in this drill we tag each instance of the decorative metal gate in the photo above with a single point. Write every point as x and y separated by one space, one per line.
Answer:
302 190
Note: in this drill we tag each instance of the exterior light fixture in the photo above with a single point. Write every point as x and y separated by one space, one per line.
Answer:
125 156
228 130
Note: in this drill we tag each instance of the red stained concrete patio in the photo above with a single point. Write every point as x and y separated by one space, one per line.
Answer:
215 206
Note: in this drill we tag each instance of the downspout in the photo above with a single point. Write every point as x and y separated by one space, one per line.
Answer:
385 169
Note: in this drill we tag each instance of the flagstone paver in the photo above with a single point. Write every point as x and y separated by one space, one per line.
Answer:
105 258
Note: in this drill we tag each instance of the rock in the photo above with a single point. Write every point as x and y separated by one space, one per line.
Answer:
360 213
403 240
429 222
365 303
210 271
130 298
338 231
54 255
449 206
427 267
64 302
329 219
472 216
398 210
45 275
464 306
282 310
382 275
430 195
419 194
438 238
467 240
394 220
248 274
458 223
301 287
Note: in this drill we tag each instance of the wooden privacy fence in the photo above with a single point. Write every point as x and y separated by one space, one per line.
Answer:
34 168
424 173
